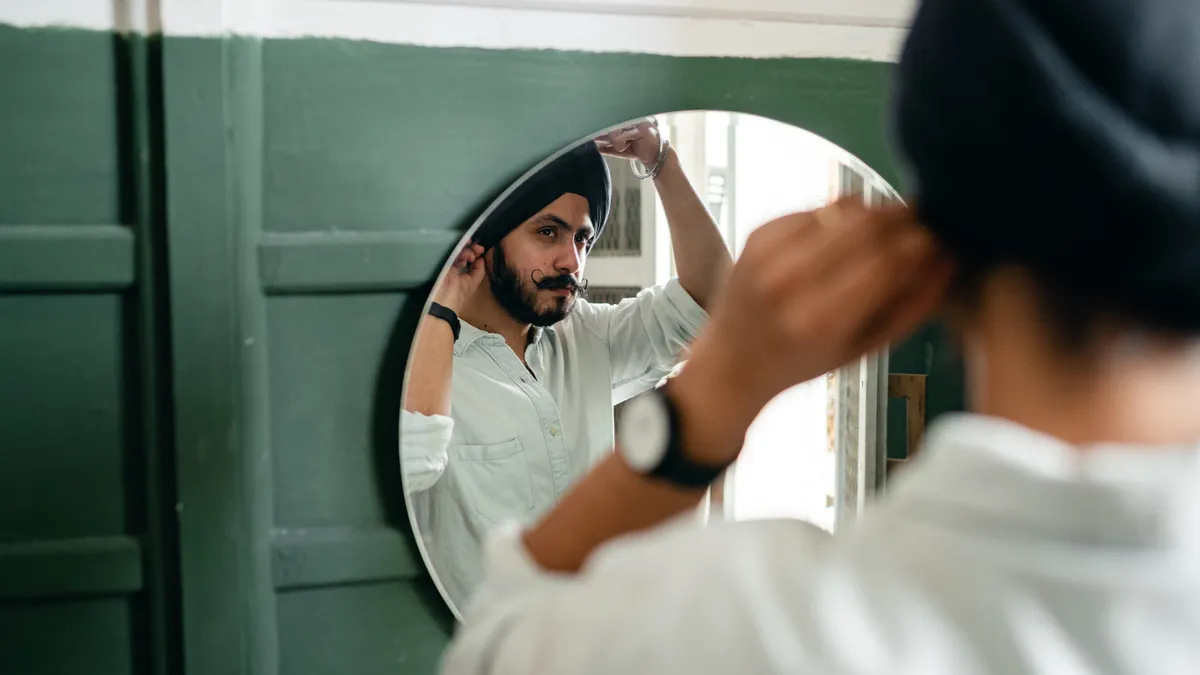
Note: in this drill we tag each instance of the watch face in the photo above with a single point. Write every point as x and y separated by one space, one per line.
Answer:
644 432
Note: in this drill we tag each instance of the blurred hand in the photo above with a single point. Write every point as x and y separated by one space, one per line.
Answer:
462 279
638 141
811 292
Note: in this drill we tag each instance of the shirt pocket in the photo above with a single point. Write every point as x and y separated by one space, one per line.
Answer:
494 480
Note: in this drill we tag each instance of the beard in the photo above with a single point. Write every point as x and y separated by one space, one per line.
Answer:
519 296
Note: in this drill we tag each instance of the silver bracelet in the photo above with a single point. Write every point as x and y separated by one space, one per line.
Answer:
643 173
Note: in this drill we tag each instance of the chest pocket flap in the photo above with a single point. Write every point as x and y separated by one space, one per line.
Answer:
493 480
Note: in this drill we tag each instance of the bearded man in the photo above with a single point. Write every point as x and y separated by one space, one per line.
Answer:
513 382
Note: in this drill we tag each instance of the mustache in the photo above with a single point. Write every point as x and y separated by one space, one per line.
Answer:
564 281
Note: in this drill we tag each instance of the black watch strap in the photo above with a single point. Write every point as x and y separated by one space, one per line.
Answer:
446 314
676 467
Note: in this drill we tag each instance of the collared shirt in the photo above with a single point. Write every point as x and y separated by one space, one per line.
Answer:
1002 551
515 440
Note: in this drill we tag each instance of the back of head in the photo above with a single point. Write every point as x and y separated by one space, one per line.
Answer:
1063 136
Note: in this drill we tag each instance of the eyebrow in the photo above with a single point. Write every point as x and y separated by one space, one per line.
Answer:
551 218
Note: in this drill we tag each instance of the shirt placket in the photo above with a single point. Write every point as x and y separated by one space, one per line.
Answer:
549 418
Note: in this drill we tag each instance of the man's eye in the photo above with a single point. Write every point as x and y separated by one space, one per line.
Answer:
547 231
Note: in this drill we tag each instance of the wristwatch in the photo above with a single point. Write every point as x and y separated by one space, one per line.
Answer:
446 314
648 441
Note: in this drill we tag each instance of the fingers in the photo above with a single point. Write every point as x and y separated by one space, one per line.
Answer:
850 230
855 293
468 255
621 141
475 270
805 251
849 277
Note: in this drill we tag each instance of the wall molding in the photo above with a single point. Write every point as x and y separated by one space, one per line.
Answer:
66 258
351 262
92 566
336 556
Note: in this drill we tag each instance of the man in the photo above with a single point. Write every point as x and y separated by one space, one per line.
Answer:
511 393
1054 530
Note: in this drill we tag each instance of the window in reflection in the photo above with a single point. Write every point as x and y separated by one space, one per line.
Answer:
748 170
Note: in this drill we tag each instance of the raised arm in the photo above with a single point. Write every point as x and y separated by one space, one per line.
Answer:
425 423
701 255
428 391
812 291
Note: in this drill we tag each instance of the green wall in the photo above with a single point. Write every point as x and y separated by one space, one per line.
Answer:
212 256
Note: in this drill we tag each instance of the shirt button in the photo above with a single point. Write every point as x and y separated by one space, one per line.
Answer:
554 431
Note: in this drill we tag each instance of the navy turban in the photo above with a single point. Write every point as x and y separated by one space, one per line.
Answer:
580 171
1063 136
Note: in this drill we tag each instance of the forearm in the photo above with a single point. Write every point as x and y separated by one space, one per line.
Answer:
431 374
702 258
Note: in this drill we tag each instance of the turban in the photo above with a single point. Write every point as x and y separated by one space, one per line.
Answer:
581 171
1062 136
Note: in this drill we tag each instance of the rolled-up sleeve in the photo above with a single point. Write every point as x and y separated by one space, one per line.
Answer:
424 449
647 334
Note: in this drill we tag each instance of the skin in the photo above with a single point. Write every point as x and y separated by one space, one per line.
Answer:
554 242
816 290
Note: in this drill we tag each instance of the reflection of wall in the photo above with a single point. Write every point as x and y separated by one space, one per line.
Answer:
227 461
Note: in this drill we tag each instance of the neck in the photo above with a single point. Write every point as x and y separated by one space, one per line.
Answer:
1144 395
484 312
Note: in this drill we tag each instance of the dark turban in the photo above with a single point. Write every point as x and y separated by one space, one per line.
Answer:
581 171
1064 136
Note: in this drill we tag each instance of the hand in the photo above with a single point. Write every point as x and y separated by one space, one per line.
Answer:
638 141
462 279
810 293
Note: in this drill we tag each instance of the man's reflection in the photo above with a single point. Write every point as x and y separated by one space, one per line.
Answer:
499 420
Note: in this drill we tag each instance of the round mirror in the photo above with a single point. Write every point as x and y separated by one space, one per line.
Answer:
582 286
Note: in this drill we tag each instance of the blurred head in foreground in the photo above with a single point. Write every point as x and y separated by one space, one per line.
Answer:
1054 147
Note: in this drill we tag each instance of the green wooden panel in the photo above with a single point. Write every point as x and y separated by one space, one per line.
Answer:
60 142
325 362
366 136
345 262
66 257
84 512
213 171
82 637
149 386
62 469
369 629
70 567
308 558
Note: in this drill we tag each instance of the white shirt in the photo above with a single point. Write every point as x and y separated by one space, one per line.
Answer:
1001 552
513 443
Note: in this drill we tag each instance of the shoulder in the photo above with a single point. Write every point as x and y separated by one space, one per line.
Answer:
851 602
587 319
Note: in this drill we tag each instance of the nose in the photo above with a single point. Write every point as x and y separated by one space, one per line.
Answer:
570 259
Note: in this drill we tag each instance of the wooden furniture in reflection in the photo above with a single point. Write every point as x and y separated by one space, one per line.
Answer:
911 388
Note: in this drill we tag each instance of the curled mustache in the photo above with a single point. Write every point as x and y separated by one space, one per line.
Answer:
567 281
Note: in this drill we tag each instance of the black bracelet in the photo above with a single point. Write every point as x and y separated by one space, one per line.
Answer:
446 314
